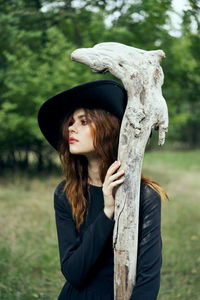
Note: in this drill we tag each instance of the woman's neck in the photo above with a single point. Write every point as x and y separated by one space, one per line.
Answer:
93 171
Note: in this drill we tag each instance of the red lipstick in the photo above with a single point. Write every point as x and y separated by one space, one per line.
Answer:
72 140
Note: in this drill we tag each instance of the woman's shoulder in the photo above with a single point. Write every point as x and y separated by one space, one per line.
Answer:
149 198
60 200
59 189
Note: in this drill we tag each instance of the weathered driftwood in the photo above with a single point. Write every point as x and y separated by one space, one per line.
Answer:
146 109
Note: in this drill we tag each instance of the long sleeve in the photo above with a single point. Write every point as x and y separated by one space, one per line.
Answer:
78 255
149 246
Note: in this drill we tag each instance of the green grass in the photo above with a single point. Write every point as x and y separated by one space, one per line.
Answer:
29 267
178 173
29 261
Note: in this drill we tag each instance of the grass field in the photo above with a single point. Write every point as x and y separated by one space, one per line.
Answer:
29 262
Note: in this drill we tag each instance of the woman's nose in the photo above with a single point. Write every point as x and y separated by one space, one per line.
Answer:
73 127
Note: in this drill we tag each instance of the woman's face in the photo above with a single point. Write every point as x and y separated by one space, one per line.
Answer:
79 129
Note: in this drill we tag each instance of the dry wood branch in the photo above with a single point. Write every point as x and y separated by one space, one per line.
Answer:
142 76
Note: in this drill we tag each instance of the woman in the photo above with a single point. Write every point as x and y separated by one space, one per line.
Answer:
83 125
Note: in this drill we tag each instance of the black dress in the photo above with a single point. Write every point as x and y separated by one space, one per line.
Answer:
87 257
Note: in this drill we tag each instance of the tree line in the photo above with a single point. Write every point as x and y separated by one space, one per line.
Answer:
37 38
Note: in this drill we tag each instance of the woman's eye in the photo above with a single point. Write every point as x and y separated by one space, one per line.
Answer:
83 122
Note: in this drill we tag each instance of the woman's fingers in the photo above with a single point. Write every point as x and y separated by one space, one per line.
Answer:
116 175
113 168
117 182
112 180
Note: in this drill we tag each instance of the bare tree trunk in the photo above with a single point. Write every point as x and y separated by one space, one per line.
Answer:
40 158
142 76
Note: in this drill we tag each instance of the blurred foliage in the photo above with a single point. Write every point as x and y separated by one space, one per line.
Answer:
37 38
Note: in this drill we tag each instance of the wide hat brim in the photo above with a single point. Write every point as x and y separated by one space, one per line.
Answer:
104 94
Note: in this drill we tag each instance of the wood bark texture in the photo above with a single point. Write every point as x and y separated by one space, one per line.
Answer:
142 77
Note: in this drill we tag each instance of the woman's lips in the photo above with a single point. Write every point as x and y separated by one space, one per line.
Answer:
71 141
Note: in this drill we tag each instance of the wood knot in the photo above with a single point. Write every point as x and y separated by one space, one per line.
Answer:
134 75
156 75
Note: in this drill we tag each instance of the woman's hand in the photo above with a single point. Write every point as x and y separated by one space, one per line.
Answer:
111 181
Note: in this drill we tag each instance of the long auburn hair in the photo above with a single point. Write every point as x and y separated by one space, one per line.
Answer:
105 133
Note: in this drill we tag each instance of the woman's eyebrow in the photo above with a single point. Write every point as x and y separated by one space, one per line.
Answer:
79 117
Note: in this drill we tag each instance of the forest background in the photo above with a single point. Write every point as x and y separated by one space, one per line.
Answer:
36 40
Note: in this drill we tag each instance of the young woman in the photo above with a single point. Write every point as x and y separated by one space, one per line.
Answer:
83 125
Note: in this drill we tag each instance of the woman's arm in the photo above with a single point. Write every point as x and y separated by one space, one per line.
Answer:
76 256
149 246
